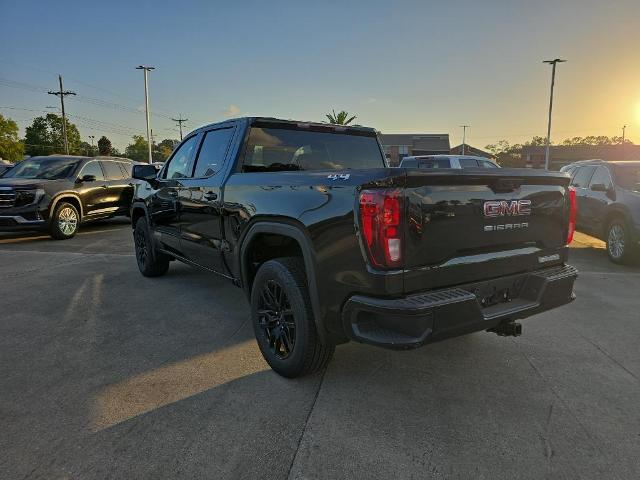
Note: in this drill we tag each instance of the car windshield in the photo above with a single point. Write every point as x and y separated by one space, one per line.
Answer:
628 176
43 168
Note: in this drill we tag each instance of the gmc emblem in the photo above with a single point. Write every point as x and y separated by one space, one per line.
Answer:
502 208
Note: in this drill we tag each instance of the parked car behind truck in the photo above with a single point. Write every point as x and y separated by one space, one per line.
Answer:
57 193
608 195
330 245
447 161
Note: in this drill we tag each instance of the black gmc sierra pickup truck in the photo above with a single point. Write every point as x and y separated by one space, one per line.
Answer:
332 245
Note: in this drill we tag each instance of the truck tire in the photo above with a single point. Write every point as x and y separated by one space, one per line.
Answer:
64 221
150 262
620 247
283 320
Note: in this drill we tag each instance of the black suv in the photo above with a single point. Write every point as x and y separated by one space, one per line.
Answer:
608 195
57 193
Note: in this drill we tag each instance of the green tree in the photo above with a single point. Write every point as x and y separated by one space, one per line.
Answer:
104 146
85 148
506 155
138 150
341 118
44 136
164 149
596 140
11 148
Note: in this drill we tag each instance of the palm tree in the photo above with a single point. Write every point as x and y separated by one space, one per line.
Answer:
340 118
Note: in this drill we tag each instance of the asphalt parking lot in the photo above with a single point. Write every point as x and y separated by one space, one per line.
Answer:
106 374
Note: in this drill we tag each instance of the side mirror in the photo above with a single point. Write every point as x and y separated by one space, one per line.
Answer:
86 178
147 172
599 187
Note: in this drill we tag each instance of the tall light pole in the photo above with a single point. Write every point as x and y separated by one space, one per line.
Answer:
553 81
624 127
92 137
464 136
146 71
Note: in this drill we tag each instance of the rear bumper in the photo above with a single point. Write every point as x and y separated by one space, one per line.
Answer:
415 320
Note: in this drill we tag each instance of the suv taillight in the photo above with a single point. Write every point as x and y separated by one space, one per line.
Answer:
573 212
380 221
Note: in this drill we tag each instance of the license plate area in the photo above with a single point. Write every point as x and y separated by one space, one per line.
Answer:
498 291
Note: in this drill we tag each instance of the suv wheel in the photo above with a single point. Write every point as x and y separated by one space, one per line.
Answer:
150 262
619 247
64 221
283 320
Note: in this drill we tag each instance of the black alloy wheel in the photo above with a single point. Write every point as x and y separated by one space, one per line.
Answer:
276 319
283 319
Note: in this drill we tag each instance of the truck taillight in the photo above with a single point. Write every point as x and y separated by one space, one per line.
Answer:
573 212
380 220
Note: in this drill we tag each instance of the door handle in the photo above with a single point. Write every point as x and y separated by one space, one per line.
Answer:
210 196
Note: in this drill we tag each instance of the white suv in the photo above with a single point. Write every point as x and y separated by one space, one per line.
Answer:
447 161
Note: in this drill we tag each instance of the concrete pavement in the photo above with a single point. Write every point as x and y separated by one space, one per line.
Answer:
106 374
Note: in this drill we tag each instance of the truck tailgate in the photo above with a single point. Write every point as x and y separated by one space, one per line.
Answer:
469 225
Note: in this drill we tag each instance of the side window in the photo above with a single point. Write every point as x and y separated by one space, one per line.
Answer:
213 151
180 164
126 169
468 163
582 176
487 164
112 170
435 163
603 177
409 163
92 168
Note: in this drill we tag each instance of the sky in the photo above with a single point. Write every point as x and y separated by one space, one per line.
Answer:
401 67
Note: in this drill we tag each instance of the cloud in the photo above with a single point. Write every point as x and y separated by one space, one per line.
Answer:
231 111
371 100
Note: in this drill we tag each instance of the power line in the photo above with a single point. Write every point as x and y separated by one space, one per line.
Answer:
63 93
180 121
75 80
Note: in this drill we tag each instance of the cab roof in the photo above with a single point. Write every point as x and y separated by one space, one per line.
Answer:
297 123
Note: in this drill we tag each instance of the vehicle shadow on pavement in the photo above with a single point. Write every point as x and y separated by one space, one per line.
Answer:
92 228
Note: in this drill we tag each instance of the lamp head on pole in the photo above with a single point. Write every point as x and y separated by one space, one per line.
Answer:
554 61
144 67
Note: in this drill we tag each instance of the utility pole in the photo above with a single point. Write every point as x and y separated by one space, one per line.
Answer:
624 127
153 141
146 104
62 93
553 81
92 137
180 121
464 136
